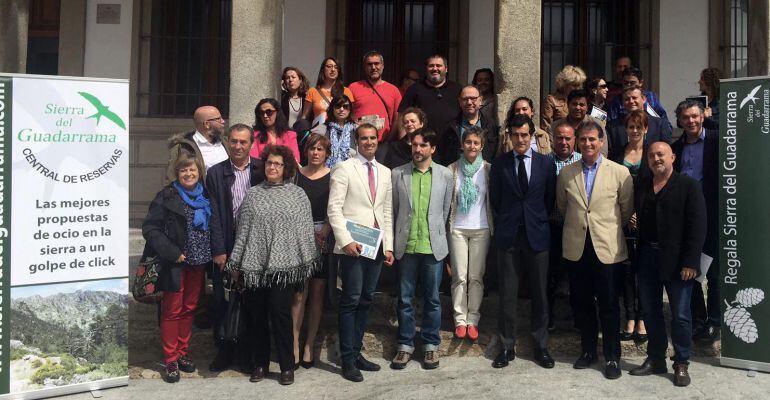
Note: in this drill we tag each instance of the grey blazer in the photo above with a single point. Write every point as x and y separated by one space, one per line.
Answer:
438 208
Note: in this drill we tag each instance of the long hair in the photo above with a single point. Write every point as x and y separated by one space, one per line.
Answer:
304 84
337 88
281 125
711 77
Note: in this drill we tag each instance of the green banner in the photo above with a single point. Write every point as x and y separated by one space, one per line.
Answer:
6 138
745 222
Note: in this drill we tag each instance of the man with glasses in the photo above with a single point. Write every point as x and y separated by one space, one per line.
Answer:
205 142
436 95
450 143
376 100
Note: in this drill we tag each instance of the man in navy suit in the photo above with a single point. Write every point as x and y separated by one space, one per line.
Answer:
522 186
658 130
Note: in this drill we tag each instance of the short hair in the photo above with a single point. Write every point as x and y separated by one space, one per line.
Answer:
570 75
638 117
289 162
416 111
336 100
560 123
475 130
519 120
589 125
316 138
241 127
304 84
363 126
428 135
631 89
684 105
372 53
184 161
443 59
576 94
481 71
405 74
633 71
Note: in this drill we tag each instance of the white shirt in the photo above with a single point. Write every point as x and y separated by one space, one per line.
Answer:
363 161
212 153
477 215
527 162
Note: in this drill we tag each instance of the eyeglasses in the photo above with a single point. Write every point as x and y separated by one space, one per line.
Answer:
342 106
602 86
268 113
219 118
331 66
273 164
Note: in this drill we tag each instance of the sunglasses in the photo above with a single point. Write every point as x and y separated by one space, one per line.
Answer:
602 86
267 113
342 106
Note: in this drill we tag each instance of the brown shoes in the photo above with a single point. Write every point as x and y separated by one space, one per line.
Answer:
431 360
681 377
258 374
400 360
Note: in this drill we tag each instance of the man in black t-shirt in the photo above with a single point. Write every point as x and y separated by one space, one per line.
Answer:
436 95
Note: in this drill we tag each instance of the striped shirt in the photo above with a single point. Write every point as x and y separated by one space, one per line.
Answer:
240 186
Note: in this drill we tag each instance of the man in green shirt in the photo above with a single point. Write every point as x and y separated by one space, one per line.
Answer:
422 194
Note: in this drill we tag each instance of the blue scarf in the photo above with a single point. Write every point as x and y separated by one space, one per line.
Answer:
340 137
198 202
469 192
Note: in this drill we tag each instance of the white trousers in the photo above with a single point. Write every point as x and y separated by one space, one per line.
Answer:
468 257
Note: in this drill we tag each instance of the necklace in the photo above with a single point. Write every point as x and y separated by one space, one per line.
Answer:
291 104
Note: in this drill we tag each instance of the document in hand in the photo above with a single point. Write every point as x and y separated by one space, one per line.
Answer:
368 238
705 263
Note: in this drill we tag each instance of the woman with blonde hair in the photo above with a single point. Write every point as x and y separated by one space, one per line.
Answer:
554 107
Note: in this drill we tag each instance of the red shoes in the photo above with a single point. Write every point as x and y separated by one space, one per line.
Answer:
460 331
473 332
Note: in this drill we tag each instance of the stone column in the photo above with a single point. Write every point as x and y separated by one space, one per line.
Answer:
517 52
255 55
759 37
14 19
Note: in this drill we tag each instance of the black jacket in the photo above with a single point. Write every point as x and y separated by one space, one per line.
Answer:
165 230
657 130
680 218
710 184
450 146
644 166
285 105
219 180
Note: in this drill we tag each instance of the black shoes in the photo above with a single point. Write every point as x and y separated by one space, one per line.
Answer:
185 364
584 361
258 374
612 370
626 336
681 376
503 358
287 377
351 373
366 365
706 334
307 364
649 367
171 374
544 359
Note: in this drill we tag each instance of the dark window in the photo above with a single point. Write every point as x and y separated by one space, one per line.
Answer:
43 37
739 43
589 34
406 32
184 58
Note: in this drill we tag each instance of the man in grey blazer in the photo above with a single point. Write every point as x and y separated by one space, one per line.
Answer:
422 194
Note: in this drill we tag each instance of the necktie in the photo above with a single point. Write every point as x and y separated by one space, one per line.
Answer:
522 173
372 186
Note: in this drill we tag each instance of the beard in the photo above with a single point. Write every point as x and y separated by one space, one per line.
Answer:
436 79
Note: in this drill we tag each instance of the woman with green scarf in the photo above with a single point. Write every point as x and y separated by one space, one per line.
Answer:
470 228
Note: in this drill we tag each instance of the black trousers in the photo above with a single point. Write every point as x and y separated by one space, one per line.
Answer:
513 264
556 267
265 307
706 311
592 283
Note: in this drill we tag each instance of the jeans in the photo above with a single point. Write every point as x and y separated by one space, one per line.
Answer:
426 268
359 279
651 294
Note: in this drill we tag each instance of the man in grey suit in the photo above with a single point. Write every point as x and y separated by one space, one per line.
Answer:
422 194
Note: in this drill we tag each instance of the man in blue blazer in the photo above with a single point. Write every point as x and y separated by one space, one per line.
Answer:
522 186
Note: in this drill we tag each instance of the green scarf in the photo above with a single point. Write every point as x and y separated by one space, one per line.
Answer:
469 193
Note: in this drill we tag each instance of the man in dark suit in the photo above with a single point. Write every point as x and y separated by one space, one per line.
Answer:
697 154
657 128
450 146
522 191
671 218
227 183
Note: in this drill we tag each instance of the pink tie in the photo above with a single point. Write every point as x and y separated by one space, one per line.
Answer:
372 186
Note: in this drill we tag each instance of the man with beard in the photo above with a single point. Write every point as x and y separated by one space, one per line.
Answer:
450 146
422 195
436 95
205 142
376 100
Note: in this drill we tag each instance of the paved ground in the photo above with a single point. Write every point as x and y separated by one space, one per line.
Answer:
461 377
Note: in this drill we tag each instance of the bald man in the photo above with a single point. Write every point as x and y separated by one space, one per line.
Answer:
205 142
449 148
671 220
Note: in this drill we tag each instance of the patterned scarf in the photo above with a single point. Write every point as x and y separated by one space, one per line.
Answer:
469 192
340 139
195 199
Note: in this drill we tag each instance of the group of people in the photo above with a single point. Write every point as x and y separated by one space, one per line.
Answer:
274 212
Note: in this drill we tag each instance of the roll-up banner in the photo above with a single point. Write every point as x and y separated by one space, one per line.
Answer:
745 222
63 235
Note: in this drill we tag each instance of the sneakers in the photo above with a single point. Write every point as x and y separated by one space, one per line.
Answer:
460 331
473 332
185 364
431 360
400 360
171 374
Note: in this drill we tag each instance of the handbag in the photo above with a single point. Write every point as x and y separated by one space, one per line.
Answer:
231 327
146 280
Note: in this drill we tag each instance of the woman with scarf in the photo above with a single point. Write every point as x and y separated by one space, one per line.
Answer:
274 254
470 228
177 231
341 131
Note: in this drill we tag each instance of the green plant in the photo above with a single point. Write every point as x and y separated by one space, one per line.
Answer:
53 371
37 363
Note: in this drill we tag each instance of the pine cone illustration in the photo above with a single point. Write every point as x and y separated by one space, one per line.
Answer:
741 324
750 297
